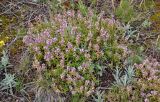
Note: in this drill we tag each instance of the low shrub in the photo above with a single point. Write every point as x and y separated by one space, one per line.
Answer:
68 49
149 79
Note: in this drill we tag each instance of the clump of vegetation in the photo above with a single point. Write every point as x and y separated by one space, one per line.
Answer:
67 51
9 82
149 80
79 50
125 11
126 79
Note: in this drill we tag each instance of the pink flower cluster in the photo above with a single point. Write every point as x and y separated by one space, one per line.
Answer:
71 44
150 69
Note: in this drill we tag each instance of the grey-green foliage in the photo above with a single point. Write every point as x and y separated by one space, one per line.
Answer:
4 61
100 69
126 79
129 32
99 96
8 83
146 23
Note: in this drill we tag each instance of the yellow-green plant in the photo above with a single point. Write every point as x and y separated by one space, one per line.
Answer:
125 11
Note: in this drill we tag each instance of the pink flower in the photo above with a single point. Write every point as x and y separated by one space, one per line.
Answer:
79 76
146 100
62 76
49 42
90 35
78 39
87 55
90 14
43 66
82 50
64 24
154 92
68 69
73 92
62 63
84 65
46 47
111 22
39 39
71 13
87 82
73 69
96 47
104 34
142 94
62 41
36 49
81 89
101 15
28 40
69 45
46 34
48 56
79 15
